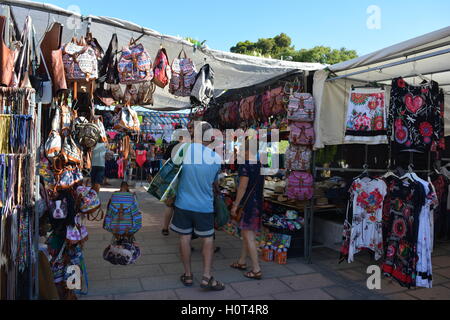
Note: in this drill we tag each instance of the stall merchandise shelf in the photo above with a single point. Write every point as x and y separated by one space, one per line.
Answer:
304 207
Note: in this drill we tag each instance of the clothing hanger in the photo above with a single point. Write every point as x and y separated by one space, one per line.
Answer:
411 175
388 174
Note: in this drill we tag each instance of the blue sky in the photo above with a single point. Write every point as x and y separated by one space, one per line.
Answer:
309 23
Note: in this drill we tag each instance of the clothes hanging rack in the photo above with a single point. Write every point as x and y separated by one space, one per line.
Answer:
361 170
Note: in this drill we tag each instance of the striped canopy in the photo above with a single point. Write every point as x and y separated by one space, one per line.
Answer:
165 118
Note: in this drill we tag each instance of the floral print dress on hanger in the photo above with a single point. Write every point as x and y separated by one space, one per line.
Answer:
367 196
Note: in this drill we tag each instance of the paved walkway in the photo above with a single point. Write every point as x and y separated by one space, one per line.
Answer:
156 274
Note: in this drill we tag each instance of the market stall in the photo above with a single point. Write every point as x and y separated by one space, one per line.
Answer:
381 129
77 63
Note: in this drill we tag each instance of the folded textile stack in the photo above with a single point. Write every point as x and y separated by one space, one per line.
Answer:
281 222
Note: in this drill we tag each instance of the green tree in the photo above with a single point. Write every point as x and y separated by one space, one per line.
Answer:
280 47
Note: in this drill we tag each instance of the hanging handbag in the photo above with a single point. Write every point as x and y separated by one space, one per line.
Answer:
70 151
161 69
127 120
203 89
301 107
89 203
247 108
104 97
59 209
266 105
145 94
135 65
58 71
298 158
67 177
6 57
23 64
183 76
53 145
99 122
302 133
52 54
44 93
242 206
277 101
300 186
76 234
109 72
87 134
80 61
123 217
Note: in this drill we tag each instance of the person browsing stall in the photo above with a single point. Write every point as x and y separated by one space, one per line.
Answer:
250 196
194 206
98 165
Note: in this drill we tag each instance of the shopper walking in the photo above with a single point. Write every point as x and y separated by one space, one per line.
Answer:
250 197
194 207
98 166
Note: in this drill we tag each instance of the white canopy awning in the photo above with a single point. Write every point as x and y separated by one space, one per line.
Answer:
423 58
232 71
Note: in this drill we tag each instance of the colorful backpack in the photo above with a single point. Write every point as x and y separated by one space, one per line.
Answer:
247 108
277 104
161 69
78 233
70 151
80 62
67 178
301 107
89 200
298 158
183 76
300 186
302 133
135 65
266 105
123 216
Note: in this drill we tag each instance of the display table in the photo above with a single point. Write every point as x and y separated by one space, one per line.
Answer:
307 208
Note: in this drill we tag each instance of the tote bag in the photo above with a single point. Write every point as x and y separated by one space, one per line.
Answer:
164 185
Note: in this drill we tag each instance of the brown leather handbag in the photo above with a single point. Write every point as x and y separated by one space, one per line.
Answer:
51 50
240 212
6 57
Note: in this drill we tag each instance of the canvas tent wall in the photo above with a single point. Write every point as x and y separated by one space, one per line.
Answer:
232 71
427 56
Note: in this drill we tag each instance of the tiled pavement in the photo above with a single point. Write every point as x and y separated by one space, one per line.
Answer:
156 274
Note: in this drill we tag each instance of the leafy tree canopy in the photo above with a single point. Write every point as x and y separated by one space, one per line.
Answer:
280 47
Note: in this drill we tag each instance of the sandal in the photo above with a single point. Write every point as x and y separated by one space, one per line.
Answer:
219 286
165 233
236 265
184 279
253 275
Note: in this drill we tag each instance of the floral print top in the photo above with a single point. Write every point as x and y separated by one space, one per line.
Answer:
416 120
366 117
367 196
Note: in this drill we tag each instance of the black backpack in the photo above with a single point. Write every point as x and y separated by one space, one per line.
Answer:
203 89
